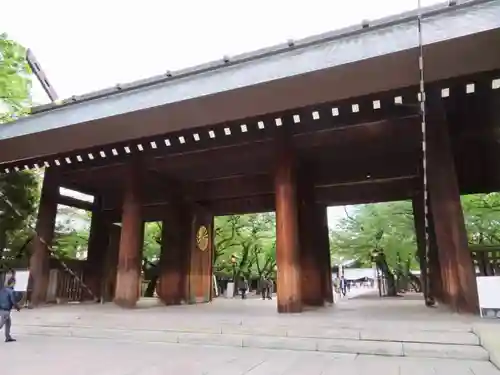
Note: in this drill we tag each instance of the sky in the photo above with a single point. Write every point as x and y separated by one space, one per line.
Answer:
89 45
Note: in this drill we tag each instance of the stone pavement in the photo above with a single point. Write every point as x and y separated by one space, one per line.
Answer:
63 356
357 336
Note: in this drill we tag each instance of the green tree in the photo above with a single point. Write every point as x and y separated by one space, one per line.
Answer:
152 242
71 234
378 233
250 240
15 79
18 191
387 226
384 233
19 196
151 255
482 218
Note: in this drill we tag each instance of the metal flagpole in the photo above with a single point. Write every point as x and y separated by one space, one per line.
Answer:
429 300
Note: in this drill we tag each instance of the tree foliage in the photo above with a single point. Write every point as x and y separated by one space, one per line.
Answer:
365 228
15 79
388 229
249 240
482 218
71 234
18 191
152 242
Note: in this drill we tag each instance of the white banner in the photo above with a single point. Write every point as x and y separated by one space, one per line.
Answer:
488 290
22 278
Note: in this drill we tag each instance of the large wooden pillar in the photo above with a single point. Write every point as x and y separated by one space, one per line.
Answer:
176 230
287 238
39 261
457 270
311 264
200 249
323 243
111 263
430 271
131 241
96 251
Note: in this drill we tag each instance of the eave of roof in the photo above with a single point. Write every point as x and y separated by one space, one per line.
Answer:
343 47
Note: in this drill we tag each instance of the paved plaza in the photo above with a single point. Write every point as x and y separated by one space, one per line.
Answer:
361 335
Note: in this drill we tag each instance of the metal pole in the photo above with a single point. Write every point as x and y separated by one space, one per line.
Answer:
40 75
429 300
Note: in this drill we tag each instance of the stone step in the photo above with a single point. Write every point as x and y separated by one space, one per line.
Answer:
415 336
335 345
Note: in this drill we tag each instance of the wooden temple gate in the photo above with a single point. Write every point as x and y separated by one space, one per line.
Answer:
236 137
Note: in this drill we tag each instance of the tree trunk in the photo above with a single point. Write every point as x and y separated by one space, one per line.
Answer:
388 275
3 242
415 281
150 290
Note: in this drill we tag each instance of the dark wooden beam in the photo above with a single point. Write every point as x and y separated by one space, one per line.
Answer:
402 129
163 188
330 174
173 189
364 192
76 203
340 195
367 132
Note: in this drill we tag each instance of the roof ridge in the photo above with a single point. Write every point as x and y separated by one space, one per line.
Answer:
226 61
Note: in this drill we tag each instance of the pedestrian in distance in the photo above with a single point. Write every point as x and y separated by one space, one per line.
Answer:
243 287
267 286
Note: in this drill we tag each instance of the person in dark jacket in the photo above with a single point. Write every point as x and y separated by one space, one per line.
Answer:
7 303
267 287
243 287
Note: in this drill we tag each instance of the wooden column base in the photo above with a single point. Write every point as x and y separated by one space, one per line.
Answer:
127 287
290 307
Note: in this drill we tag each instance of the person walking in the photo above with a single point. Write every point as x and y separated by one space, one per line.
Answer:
243 287
7 303
343 286
336 289
267 286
